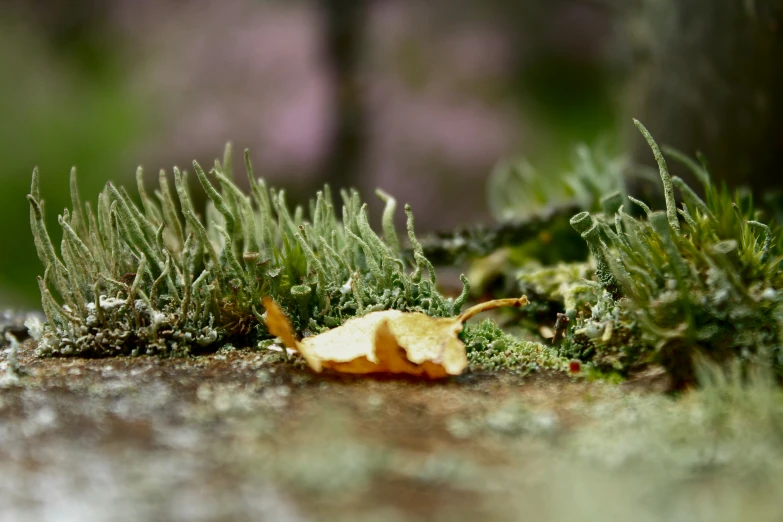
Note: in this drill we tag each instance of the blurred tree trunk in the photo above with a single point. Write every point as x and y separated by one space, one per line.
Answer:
344 22
711 79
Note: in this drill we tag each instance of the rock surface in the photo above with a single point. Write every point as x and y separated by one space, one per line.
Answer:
240 435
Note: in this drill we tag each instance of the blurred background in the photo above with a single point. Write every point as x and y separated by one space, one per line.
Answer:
421 99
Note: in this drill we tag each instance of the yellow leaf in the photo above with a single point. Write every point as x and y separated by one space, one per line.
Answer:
390 341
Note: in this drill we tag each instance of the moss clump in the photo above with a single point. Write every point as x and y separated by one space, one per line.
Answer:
489 349
157 279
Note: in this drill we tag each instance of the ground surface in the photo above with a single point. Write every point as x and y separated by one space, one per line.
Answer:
239 435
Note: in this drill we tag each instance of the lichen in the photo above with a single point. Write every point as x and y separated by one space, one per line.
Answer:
490 349
13 371
158 279
701 278
709 285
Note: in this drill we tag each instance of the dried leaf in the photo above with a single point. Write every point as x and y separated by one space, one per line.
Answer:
390 341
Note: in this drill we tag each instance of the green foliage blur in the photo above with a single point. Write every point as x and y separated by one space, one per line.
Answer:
60 107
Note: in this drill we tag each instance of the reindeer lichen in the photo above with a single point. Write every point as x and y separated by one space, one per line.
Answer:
157 279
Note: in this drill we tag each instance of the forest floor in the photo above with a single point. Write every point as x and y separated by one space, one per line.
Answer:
241 435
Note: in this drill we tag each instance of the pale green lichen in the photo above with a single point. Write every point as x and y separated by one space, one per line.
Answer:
13 371
132 280
668 190
562 283
490 349
703 278
711 285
